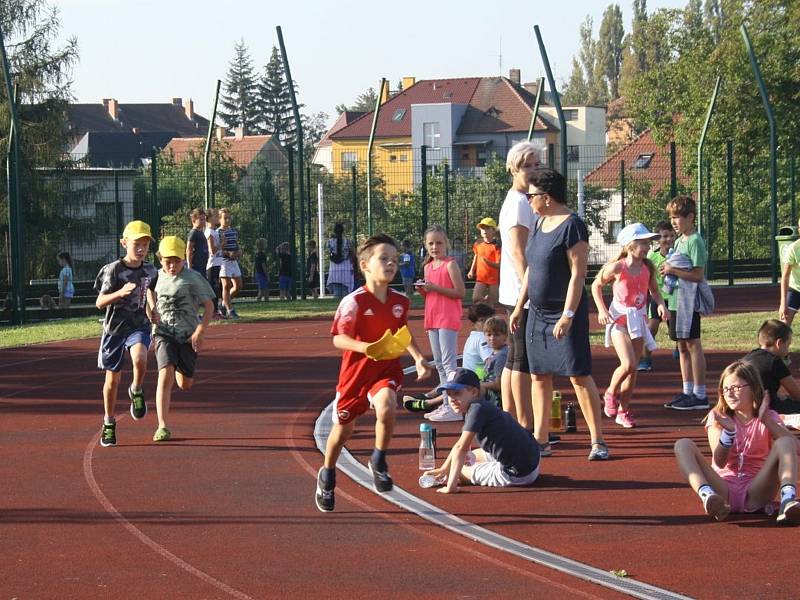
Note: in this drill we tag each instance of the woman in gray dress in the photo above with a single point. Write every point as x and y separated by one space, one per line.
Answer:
557 332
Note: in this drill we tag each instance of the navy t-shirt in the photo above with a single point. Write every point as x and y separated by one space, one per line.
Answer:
546 253
502 437
200 254
126 315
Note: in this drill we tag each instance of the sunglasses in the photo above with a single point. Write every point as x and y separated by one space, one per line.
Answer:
536 194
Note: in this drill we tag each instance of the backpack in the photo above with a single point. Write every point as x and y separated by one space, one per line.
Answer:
336 257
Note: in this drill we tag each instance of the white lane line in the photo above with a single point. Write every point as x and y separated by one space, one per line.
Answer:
398 496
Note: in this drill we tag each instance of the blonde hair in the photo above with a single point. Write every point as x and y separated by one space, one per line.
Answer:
624 254
434 229
519 153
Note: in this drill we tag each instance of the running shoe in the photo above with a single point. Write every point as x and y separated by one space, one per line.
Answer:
553 439
232 314
646 364
109 435
138 405
381 479
545 450
690 402
625 418
715 506
444 414
324 498
610 401
677 398
789 513
599 451
162 434
413 404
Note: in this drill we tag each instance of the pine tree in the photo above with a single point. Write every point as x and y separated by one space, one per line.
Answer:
275 101
240 105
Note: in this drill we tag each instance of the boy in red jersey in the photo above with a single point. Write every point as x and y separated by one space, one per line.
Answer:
369 327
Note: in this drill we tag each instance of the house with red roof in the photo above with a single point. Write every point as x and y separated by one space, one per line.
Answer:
463 121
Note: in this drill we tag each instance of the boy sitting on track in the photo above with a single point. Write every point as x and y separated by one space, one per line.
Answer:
125 289
370 328
509 456
774 340
178 335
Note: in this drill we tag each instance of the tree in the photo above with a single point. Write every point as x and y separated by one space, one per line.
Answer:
240 102
610 50
634 58
275 100
575 92
314 128
365 102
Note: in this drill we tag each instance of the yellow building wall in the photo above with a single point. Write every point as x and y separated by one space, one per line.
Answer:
394 162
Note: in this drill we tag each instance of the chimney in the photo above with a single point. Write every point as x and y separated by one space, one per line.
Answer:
177 101
239 132
515 75
408 82
189 108
220 133
112 106
385 92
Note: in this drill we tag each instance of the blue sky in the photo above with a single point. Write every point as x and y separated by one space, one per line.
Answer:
152 51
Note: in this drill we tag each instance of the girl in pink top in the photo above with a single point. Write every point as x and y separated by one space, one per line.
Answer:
753 455
443 289
633 276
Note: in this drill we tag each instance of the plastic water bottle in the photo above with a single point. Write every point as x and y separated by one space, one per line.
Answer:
670 281
427 453
429 481
555 411
570 422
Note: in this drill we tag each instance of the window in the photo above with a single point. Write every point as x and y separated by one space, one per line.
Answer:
399 114
105 218
404 158
349 159
393 158
571 114
643 161
431 135
573 153
614 227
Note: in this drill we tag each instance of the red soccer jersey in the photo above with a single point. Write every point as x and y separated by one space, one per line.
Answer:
365 318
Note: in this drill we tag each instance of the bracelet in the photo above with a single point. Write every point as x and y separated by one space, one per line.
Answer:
726 438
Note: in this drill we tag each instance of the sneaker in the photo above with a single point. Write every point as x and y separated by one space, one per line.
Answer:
444 414
715 506
222 312
553 439
625 418
690 402
789 513
325 499
162 434
646 364
381 480
412 404
545 450
232 314
610 402
138 405
599 451
109 435
677 398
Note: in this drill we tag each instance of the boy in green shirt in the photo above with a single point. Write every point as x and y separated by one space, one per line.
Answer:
682 212
657 256
178 335
790 282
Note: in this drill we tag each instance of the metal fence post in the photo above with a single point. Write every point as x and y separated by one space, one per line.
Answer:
309 204
292 224
155 218
792 190
551 156
354 192
729 193
673 171
302 261
709 225
622 193
423 161
446 183
117 215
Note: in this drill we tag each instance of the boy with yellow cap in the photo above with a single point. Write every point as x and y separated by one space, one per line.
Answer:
125 289
485 269
178 335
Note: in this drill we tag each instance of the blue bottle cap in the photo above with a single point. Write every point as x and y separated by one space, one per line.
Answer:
424 426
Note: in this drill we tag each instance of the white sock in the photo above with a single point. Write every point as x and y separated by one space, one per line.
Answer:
109 420
687 387
705 491
788 492
700 391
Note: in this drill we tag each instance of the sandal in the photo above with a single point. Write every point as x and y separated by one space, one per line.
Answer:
162 434
599 451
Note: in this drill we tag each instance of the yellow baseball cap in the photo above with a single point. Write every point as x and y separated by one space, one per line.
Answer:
172 246
135 230
487 222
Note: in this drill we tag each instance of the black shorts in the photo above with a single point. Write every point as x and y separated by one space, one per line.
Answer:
652 310
793 300
181 356
694 332
517 350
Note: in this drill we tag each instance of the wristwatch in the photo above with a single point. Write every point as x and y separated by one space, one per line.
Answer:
570 314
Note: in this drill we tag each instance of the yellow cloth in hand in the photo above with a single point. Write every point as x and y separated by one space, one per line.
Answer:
390 346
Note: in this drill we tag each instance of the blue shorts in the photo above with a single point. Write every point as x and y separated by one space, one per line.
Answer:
112 349
262 281
285 282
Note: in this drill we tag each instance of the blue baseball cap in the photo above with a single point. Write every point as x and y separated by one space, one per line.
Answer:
460 379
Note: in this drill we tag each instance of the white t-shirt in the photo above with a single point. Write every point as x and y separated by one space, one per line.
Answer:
476 351
214 260
515 211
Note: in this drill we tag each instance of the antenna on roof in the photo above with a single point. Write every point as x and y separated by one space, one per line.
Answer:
500 56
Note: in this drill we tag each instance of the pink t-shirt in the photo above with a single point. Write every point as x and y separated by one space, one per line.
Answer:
753 440
441 312
631 290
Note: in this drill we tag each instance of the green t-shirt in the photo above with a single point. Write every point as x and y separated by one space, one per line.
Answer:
177 300
694 248
655 257
791 256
